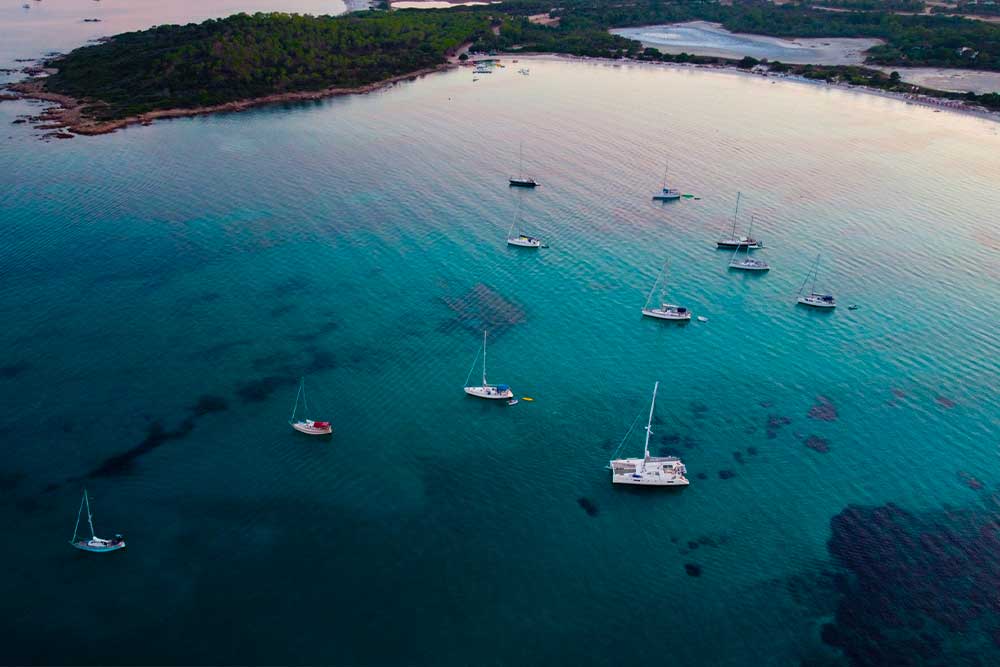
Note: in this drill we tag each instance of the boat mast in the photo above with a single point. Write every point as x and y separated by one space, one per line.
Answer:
484 357
90 517
655 283
815 273
302 382
665 170
735 213
79 513
520 160
649 424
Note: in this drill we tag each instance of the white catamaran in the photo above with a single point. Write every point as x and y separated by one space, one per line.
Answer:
815 299
748 263
665 311
649 470
491 391
306 425
733 241
94 544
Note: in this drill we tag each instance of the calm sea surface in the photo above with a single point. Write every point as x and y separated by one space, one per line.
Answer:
164 287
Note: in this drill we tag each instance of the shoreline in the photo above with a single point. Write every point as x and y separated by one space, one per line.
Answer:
65 119
67 114
936 103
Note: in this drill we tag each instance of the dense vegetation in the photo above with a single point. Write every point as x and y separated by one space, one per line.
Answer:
973 7
938 41
873 5
244 57
251 56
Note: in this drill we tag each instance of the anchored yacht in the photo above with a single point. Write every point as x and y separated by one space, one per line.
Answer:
649 470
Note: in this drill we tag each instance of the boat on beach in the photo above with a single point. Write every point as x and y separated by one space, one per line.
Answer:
306 425
649 470
737 242
665 311
815 299
487 390
667 193
95 544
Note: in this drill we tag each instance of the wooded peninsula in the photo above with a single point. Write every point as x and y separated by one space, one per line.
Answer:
231 63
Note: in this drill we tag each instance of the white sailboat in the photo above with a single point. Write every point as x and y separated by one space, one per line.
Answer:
815 299
306 425
521 240
733 241
748 263
665 311
667 194
95 544
490 391
649 470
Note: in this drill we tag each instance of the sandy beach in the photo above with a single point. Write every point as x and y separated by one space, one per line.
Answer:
703 38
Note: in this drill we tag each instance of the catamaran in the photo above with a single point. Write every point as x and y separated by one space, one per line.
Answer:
748 263
306 425
665 311
667 194
734 241
521 181
649 470
491 391
521 240
94 544
815 299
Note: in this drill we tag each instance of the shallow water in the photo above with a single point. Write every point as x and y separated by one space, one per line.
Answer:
711 39
164 287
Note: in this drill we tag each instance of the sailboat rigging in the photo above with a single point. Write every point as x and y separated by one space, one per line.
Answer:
521 240
748 263
521 181
667 193
733 241
306 425
649 470
95 544
665 311
487 390
815 299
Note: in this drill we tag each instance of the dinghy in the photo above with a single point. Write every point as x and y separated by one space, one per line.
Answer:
95 544
306 425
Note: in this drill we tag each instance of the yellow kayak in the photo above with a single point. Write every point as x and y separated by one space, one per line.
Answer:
527 398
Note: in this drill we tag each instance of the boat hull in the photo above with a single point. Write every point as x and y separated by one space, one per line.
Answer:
98 549
822 305
303 427
489 392
666 197
733 245
522 183
666 315
525 243
745 267
646 480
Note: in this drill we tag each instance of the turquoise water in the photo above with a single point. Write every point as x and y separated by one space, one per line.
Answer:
360 242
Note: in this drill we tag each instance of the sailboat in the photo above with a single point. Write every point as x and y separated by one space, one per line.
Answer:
521 240
95 544
667 194
748 263
306 425
521 181
815 299
487 390
649 470
665 311
734 241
